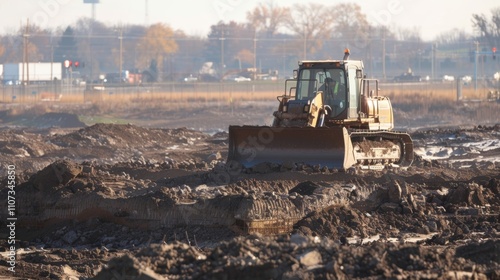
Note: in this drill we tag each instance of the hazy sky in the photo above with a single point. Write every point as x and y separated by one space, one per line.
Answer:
431 17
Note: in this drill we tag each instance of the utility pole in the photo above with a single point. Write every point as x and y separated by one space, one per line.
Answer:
51 60
383 55
305 45
121 52
476 51
255 55
26 54
91 53
222 53
284 57
433 62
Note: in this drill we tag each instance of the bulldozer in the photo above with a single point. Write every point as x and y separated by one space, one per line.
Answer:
330 115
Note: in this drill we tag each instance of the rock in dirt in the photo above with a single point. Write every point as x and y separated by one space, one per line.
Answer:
484 253
56 175
471 194
126 267
305 188
395 192
310 258
70 237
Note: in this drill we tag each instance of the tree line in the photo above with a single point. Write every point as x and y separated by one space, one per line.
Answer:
272 38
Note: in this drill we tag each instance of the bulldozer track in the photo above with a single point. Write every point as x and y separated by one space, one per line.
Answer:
402 138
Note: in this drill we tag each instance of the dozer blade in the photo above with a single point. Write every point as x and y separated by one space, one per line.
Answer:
251 145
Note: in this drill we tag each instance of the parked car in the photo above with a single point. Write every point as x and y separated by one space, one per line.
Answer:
407 78
448 78
496 76
236 78
12 83
190 78
466 80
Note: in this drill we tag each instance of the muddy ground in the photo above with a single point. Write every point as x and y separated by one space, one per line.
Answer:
154 199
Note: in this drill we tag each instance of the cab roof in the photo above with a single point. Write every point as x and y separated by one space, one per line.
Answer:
337 63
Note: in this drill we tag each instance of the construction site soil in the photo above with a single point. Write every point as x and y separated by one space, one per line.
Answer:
155 199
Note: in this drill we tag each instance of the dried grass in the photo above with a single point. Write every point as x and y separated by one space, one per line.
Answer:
422 93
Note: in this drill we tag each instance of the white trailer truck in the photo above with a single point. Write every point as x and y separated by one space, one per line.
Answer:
16 73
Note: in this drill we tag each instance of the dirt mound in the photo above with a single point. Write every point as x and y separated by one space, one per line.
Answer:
127 135
24 144
126 267
336 223
114 143
38 117
56 175
61 120
31 150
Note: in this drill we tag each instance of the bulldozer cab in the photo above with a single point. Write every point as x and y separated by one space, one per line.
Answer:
330 81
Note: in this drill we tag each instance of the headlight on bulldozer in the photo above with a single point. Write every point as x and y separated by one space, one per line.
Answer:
285 108
306 108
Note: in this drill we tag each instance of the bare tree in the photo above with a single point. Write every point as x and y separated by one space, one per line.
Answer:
350 24
225 44
313 24
30 40
408 34
268 18
490 29
453 36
